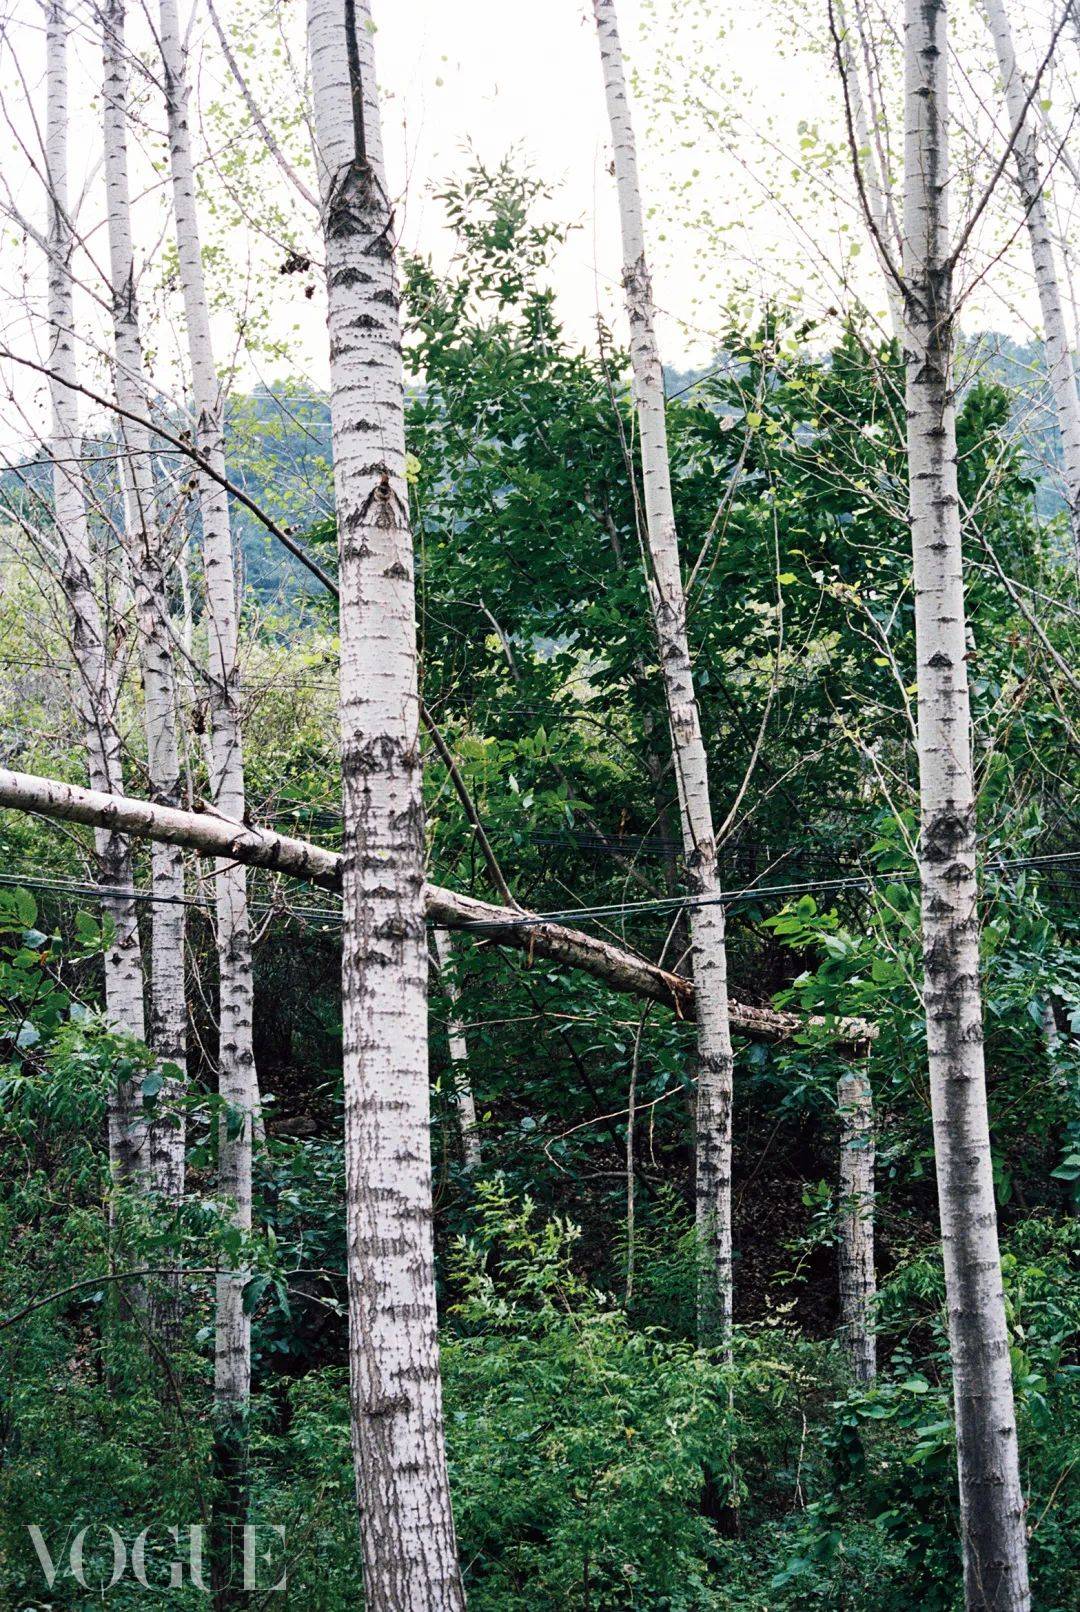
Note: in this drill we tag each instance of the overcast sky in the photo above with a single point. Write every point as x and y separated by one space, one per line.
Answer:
503 74
526 73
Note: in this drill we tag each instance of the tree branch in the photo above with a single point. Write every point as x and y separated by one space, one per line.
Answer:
216 836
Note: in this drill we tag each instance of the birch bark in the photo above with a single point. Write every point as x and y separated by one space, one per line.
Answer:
142 539
459 1057
856 1228
406 1526
668 602
95 692
991 1498
1059 359
236 1061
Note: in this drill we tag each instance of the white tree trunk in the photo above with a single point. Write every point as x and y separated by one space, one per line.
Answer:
142 539
1059 360
95 692
236 1062
406 1526
1048 1027
714 1097
459 1057
865 154
855 1248
991 1498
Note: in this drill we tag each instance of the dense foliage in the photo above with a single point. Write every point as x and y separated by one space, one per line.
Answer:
599 1459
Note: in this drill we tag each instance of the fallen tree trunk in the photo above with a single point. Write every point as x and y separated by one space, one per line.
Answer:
209 834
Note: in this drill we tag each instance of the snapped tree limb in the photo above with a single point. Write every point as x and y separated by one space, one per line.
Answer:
211 835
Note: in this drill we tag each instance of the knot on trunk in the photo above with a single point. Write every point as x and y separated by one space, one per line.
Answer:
946 834
383 508
383 752
388 1405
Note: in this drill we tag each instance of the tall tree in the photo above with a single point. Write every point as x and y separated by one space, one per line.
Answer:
236 1060
668 601
403 1493
867 154
991 1498
95 688
1030 184
143 540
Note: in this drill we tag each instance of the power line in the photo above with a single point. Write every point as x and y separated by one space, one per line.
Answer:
668 904
99 892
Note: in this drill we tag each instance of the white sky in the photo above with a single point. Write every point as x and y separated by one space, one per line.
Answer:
524 73
500 74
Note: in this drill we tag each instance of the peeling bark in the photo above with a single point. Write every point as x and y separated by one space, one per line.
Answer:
213 835
855 1246
237 1085
459 1057
142 540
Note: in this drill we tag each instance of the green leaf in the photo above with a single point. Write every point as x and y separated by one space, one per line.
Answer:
253 1292
26 908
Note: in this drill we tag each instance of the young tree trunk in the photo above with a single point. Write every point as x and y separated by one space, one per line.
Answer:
667 598
236 1062
1059 360
406 1526
991 1498
865 154
855 1249
95 692
459 1057
142 539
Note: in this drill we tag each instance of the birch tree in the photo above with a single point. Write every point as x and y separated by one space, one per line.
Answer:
855 1247
1030 184
95 689
236 1061
142 538
406 1526
870 160
991 1498
459 1056
668 602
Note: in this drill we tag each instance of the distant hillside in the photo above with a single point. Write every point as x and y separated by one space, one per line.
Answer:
278 450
